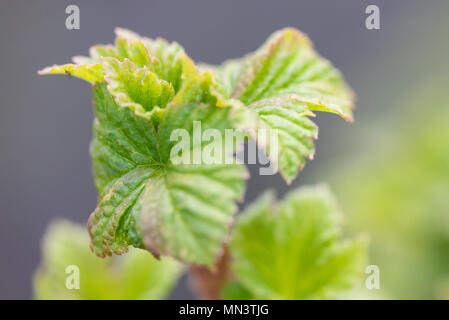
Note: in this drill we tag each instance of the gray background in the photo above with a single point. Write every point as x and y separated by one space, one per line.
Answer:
45 122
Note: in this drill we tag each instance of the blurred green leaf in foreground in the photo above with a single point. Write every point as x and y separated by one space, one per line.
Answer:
293 249
133 275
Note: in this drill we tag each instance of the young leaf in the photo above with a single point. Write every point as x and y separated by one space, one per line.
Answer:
404 202
166 59
149 197
293 250
135 275
145 89
145 74
131 49
288 120
137 88
89 72
152 89
90 68
287 65
283 82
171 56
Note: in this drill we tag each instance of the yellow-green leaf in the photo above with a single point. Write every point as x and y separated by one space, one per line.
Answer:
283 82
137 88
149 199
66 259
293 249
89 72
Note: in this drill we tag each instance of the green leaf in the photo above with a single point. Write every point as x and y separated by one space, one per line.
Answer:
145 74
167 60
145 89
131 150
404 201
137 88
228 73
234 290
135 275
91 68
294 250
89 72
287 120
122 141
171 56
131 49
283 82
148 196
287 65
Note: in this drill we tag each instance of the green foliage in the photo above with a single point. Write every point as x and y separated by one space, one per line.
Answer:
137 88
400 194
145 89
146 199
283 82
293 249
135 275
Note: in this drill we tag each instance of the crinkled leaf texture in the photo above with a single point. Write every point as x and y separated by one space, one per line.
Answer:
149 200
145 89
135 275
145 74
283 82
293 249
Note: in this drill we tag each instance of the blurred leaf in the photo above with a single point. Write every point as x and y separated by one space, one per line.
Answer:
400 194
171 56
135 275
293 249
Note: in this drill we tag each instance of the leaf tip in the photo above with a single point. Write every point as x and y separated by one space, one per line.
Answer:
47 70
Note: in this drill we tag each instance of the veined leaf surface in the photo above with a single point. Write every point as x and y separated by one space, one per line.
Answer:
284 81
293 249
148 198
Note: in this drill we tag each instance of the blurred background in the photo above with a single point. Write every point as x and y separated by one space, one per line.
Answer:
390 169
